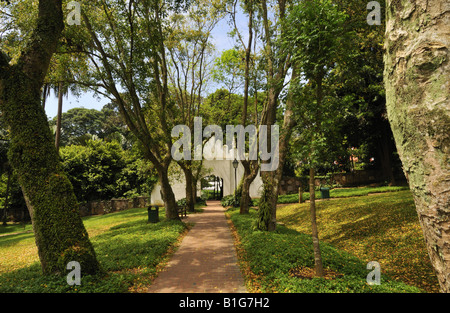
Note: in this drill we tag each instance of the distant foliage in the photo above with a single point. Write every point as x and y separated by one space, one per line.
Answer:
103 170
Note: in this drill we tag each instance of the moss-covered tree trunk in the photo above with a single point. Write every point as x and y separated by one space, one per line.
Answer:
59 231
186 166
251 169
417 71
271 179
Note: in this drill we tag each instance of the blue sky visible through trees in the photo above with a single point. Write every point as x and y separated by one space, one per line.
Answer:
87 100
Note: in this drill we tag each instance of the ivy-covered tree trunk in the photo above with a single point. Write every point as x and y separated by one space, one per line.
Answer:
191 193
59 231
417 71
251 169
267 212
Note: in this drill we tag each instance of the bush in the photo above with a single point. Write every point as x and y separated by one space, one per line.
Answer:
103 170
198 200
228 201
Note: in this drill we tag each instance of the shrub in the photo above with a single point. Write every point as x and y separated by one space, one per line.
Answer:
228 201
198 200
103 170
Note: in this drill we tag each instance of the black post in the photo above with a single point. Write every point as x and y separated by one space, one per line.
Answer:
235 165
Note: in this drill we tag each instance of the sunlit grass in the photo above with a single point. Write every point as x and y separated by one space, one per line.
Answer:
382 227
272 261
17 251
128 248
341 193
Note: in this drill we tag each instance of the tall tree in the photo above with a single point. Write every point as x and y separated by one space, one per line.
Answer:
59 231
76 123
130 66
277 65
417 68
62 68
190 50
318 39
251 167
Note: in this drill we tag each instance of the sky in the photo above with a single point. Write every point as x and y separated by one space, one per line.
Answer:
87 100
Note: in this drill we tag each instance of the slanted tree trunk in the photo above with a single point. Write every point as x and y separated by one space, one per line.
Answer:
272 179
417 71
166 191
186 166
59 231
251 168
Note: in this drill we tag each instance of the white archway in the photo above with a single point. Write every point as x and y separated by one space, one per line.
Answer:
219 160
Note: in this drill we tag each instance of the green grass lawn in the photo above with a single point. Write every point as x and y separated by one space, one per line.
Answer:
128 248
353 231
15 228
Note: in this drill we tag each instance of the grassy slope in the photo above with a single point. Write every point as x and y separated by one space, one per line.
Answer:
381 227
353 231
342 193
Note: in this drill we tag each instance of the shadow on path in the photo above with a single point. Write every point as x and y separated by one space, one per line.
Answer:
205 262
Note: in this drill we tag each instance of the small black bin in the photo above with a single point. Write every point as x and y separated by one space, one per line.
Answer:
153 214
324 192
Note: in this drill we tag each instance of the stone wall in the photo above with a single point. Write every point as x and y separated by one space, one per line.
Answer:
113 205
358 177
290 185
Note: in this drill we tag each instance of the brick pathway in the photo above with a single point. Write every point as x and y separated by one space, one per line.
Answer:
206 259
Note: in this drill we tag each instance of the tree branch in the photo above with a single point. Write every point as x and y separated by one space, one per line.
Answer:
7 14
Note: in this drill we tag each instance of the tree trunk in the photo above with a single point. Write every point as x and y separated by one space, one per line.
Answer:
267 208
271 180
59 116
315 233
167 194
300 194
250 171
249 166
190 196
59 231
194 190
417 71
